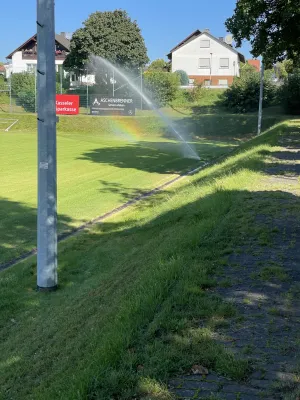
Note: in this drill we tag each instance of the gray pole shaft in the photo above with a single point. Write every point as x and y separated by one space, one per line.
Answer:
47 234
261 94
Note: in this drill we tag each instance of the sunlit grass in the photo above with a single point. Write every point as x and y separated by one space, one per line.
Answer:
102 163
132 293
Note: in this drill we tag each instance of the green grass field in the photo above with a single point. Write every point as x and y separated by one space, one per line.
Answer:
102 163
133 289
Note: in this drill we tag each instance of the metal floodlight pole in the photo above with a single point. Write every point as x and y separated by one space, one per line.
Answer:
261 94
47 234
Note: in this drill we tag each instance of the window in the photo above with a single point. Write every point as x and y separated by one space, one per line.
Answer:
224 62
31 68
207 82
223 82
204 63
205 43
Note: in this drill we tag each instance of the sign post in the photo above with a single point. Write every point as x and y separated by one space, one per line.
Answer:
47 196
261 94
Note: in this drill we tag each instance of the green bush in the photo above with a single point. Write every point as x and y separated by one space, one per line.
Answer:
183 76
209 99
181 99
4 91
290 94
23 85
159 65
196 93
27 100
162 86
243 95
22 82
65 81
3 84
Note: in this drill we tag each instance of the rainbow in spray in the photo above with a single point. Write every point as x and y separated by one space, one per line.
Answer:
126 128
188 150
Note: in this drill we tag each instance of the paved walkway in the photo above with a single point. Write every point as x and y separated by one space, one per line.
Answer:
265 288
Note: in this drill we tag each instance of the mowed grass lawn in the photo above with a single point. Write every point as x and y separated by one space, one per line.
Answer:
102 163
133 290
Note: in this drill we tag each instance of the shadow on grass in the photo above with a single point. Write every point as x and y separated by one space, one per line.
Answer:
132 303
181 332
18 229
285 162
18 222
133 299
223 126
160 157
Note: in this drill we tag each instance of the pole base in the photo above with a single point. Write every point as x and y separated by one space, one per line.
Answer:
46 289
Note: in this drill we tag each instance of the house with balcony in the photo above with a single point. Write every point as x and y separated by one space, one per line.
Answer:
24 58
206 59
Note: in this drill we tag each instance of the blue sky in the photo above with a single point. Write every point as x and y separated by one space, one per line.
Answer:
164 23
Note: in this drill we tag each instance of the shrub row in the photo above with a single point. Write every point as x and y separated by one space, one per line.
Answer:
163 88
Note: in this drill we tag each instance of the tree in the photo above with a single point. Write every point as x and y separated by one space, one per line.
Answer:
111 35
272 27
243 95
183 76
162 86
290 93
65 80
23 86
159 65
290 66
22 82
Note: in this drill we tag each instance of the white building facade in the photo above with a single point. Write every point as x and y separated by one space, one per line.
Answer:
24 58
206 59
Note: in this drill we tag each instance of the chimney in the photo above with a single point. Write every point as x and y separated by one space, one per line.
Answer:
206 30
63 34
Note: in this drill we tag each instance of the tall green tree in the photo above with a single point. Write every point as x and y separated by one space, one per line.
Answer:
272 27
111 35
159 65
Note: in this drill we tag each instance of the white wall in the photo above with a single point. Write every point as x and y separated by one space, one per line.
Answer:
20 65
83 81
186 58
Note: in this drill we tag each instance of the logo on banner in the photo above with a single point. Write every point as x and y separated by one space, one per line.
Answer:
102 105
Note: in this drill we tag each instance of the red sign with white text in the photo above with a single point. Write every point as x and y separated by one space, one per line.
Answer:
67 104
